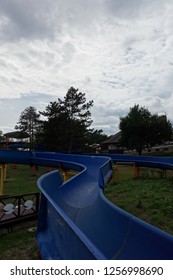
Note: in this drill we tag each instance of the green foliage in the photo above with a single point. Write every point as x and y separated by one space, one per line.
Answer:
29 122
96 136
140 129
1 135
160 129
67 122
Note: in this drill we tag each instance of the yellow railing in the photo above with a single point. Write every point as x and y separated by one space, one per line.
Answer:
3 175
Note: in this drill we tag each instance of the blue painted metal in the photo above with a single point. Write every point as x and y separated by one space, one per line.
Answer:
76 221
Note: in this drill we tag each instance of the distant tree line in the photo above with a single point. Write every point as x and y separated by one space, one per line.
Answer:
140 129
65 125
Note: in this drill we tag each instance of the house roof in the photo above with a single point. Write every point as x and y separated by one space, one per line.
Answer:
17 135
113 139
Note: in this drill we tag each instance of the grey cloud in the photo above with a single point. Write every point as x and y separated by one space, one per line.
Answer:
123 8
20 19
26 19
16 105
69 51
132 9
4 79
106 116
102 113
156 104
119 52
3 63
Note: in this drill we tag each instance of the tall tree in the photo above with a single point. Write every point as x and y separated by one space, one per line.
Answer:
79 115
67 122
141 129
1 135
96 136
29 121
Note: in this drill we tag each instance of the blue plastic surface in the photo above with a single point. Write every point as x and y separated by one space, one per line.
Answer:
76 221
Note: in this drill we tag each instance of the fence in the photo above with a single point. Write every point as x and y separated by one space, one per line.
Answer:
14 209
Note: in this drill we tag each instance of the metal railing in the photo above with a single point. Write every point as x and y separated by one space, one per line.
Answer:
18 208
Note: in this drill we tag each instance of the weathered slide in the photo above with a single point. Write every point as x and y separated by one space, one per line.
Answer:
76 221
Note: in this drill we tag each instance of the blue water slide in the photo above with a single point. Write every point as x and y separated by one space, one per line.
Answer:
76 221
145 161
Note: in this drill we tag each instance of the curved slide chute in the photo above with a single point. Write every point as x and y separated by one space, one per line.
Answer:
76 221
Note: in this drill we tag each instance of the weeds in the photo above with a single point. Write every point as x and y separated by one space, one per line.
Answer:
149 196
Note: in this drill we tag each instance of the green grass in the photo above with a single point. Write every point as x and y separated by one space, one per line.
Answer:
148 197
20 179
20 244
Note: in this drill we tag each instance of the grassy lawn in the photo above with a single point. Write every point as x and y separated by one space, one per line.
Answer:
148 197
21 242
20 179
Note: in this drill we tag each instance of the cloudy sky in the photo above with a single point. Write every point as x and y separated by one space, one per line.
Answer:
119 52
